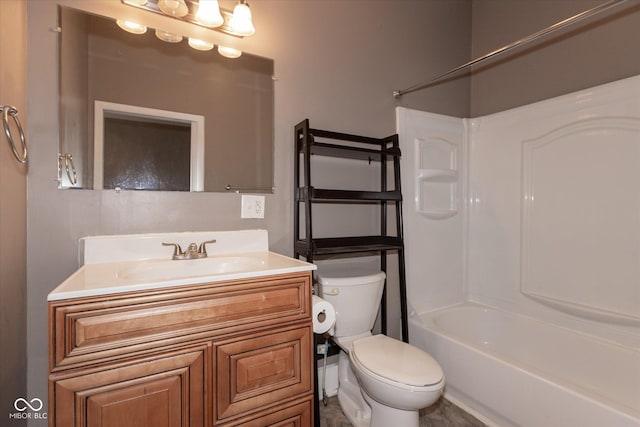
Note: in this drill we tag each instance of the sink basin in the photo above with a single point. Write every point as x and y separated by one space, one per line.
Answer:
160 270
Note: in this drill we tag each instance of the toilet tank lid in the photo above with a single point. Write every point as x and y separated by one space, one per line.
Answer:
346 275
397 361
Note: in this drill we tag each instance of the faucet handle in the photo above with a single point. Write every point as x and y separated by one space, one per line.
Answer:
203 247
177 250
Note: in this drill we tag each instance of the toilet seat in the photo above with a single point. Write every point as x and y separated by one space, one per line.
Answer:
396 362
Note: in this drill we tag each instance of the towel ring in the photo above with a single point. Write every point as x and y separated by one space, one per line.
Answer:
69 167
9 110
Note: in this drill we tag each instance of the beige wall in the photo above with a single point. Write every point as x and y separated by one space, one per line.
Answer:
13 205
336 62
601 49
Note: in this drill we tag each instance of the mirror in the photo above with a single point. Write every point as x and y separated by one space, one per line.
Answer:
139 113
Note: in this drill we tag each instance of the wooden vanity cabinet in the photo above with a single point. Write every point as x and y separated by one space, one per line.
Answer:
236 353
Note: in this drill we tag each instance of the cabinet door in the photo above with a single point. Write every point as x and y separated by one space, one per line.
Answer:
166 391
258 371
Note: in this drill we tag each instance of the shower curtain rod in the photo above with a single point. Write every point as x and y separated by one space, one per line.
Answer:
528 39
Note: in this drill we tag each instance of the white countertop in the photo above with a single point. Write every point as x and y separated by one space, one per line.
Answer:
126 276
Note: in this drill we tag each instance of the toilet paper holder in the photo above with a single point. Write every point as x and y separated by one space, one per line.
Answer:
324 315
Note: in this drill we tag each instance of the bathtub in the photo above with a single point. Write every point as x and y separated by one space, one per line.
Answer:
511 370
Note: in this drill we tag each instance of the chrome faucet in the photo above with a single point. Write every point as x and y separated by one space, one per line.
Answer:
193 251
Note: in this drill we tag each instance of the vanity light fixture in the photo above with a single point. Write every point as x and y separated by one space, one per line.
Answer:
241 21
132 27
200 44
205 13
209 13
168 37
229 52
176 8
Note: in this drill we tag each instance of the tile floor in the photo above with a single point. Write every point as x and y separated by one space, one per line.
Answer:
441 414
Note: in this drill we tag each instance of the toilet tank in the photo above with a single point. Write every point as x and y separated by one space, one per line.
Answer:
355 294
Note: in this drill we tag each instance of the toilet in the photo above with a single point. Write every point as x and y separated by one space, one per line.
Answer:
382 381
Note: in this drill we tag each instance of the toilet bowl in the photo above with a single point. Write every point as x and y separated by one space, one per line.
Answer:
396 379
381 381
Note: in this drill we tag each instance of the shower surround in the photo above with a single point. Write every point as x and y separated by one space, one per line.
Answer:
533 212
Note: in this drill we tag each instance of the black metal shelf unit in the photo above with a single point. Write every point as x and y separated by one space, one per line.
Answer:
315 142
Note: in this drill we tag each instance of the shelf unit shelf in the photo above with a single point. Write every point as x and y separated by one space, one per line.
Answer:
349 152
328 195
346 245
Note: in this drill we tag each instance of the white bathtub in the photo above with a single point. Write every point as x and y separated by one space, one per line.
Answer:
511 370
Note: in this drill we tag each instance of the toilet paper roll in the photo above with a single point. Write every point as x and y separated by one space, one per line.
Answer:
324 315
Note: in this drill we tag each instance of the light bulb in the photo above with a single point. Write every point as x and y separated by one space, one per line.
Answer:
168 37
229 52
132 27
209 13
240 22
176 8
200 44
136 2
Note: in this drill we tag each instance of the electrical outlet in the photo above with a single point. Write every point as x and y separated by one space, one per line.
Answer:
252 207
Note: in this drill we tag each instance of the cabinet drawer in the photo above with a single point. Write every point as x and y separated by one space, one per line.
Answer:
261 370
292 414
83 332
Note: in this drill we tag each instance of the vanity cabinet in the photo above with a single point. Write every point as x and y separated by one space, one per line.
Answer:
231 353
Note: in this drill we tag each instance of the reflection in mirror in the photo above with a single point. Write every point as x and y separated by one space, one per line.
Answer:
113 82
139 148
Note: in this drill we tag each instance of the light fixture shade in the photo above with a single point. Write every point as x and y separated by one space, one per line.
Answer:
200 44
241 21
229 52
168 37
131 27
209 13
176 8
